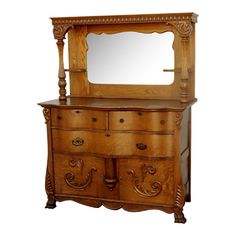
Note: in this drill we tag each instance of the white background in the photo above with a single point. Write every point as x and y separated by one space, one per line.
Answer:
29 75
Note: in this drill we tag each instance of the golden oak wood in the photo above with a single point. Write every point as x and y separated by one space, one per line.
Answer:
121 146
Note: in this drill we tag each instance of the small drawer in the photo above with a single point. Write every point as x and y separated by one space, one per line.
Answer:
72 118
116 144
145 121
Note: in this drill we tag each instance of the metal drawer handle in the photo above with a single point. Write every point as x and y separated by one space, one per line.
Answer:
77 141
141 146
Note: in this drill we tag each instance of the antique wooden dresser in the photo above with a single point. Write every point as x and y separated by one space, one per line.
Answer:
116 145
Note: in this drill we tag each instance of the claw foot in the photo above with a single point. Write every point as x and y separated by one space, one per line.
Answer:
51 203
179 217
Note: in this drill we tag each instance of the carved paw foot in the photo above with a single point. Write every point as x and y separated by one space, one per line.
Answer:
51 203
179 217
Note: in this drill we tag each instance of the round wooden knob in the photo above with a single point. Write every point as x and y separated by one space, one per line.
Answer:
162 122
94 119
122 120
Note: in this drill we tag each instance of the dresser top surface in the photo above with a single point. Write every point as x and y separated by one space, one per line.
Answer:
118 104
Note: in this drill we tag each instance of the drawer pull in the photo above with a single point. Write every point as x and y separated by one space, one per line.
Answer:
78 141
162 122
94 119
141 146
122 120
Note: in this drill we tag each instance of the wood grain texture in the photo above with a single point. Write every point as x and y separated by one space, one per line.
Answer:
147 181
183 27
87 173
118 104
78 118
103 143
130 120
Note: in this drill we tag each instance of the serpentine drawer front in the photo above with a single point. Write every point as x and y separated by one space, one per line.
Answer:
107 143
122 145
78 118
131 120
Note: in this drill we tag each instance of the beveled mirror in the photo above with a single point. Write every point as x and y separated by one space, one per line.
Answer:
130 58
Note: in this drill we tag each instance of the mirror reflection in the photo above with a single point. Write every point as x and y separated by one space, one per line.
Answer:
130 58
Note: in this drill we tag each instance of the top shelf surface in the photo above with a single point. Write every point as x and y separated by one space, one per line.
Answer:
126 19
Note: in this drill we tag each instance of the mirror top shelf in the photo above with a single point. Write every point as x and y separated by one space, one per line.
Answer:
126 19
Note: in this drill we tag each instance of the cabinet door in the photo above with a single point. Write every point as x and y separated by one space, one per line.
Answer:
147 181
78 175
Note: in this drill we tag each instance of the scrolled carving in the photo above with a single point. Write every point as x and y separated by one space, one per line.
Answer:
70 176
155 185
49 184
178 117
46 113
59 30
179 200
184 28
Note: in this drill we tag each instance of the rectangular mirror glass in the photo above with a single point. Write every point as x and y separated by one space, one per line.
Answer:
130 58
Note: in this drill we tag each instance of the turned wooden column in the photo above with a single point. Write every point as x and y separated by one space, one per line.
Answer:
110 176
59 32
61 72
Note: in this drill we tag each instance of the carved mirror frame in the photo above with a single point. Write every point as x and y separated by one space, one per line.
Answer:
182 25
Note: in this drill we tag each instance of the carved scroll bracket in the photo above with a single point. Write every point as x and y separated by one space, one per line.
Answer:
60 30
184 28
46 113
178 119
49 184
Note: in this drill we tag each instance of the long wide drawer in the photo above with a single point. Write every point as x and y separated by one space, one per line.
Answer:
113 143
148 121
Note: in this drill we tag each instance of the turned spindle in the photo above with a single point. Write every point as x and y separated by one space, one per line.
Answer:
61 72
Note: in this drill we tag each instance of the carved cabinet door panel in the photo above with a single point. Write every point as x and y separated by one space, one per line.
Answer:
78 175
147 181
